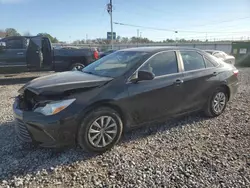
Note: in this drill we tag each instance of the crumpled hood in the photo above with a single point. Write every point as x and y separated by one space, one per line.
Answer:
60 82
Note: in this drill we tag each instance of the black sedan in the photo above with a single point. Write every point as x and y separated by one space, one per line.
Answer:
123 90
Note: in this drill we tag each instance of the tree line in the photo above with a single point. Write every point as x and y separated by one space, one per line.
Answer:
119 39
9 32
133 40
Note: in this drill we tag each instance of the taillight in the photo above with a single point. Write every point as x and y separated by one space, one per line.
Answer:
236 72
96 55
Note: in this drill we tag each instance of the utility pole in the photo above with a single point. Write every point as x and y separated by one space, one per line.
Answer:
138 37
176 32
110 10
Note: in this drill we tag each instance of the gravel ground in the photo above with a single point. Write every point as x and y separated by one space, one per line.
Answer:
188 152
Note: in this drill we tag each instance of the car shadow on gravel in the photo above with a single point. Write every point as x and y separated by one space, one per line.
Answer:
18 159
152 129
16 80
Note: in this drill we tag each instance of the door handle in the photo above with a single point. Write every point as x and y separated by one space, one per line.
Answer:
178 82
215 73
20 53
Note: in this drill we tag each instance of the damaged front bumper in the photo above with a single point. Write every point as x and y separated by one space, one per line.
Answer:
48 131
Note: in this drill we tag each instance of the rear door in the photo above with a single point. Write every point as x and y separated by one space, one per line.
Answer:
199 79
162 96
34 53
13 57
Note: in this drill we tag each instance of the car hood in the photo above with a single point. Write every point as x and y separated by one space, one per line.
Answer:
60 82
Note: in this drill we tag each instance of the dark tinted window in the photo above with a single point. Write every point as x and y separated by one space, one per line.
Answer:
192 60
14 44
162 64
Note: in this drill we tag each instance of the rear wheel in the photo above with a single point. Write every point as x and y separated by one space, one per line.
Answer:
100 130
217 103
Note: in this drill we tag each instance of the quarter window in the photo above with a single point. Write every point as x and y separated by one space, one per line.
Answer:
162 64
208 63
192 60
212 60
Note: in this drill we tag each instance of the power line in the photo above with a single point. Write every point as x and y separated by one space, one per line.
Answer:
216 35
225 21
171 30
150 9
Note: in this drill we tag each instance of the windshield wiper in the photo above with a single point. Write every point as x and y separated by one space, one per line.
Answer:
88 72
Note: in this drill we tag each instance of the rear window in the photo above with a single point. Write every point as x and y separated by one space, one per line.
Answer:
210 52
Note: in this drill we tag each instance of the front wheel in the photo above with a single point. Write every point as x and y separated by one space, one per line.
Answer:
216 103
100 130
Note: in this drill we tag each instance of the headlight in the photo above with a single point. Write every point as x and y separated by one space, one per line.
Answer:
54 107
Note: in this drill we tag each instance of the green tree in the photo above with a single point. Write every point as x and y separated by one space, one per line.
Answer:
124 40
11 32
168 40
52 39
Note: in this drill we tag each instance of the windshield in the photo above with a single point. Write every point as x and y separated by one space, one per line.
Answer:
115 64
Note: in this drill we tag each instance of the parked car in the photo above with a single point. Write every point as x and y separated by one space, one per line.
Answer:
19 54
121 91
102 54
222 56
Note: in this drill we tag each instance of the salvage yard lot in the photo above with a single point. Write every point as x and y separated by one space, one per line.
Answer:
191 151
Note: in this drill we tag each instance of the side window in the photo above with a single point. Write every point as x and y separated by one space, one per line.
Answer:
192 60
26 43
14 44
162 64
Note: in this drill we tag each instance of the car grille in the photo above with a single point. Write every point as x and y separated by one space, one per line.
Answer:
22 131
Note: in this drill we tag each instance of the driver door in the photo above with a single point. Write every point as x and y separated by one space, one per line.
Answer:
155 99
34 53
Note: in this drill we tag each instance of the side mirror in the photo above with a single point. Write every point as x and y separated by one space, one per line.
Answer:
2 45
143 75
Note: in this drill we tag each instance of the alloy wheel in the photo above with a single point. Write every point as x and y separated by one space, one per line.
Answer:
102 131
219 102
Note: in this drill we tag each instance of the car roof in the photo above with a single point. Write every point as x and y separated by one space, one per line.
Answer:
158 48
16 37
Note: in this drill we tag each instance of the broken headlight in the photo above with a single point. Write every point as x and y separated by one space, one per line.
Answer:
54 107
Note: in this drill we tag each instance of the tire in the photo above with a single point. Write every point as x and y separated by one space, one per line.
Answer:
77 66
88 130
210 109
